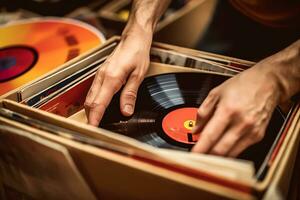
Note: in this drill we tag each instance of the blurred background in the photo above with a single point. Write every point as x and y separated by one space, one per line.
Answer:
182 24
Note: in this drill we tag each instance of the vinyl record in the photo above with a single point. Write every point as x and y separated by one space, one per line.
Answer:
31 48
166 109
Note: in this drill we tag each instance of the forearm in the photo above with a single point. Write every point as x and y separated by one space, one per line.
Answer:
144 17
288 70
284 68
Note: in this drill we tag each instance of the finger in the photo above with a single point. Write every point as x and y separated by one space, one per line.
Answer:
229 140
102 100
212 132
93 91
95 87
205 112
245 142
129 94
240 146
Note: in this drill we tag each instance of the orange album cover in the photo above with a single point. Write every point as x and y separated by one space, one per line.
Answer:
31 48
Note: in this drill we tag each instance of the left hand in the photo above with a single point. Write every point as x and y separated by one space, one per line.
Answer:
235 114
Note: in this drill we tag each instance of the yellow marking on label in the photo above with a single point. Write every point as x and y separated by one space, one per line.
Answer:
189 124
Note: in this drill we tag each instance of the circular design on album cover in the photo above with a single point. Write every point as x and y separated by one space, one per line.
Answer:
15 61
54 42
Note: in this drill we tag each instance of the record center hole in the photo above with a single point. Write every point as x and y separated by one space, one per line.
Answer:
6 63
189 124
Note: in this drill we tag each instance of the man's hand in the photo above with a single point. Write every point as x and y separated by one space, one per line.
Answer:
126 66
235 114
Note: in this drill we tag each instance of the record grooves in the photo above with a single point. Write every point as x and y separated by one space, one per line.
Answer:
166 109
161 112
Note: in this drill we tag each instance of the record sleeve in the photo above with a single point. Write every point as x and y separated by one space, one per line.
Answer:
33 47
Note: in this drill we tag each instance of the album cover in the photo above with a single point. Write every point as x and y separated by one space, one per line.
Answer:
45 170
57 41
70 100
63 72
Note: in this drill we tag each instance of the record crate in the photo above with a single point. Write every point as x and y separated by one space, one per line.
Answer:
58 155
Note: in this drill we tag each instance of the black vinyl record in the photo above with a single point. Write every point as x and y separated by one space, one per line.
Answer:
165 112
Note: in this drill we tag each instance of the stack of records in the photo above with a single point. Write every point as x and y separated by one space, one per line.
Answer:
45 138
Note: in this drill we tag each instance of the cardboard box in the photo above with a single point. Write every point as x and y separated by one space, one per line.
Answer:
113 176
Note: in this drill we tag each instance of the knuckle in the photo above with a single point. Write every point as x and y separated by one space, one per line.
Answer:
115 79
115 86
131 94
136 76
111 74
231 109
87 104
93 105
257 136
248 121
213 93
201 113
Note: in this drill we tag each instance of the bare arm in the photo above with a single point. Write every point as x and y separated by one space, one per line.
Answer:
128 63
235 114
145 15
286 70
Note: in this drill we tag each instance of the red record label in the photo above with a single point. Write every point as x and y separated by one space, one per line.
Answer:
179 123
15 61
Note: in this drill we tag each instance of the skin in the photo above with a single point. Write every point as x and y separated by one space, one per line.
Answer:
128 64
232 117
235 114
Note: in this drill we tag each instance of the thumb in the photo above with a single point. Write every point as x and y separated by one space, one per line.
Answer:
129 94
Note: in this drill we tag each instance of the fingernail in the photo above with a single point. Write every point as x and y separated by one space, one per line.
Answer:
128 109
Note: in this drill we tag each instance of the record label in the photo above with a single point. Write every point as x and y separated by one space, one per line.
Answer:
179 123
16 60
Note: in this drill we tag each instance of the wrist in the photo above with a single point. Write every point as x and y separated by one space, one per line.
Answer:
284 67
134 29
270 69
137 37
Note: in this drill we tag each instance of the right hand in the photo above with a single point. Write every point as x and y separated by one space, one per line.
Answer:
127 66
